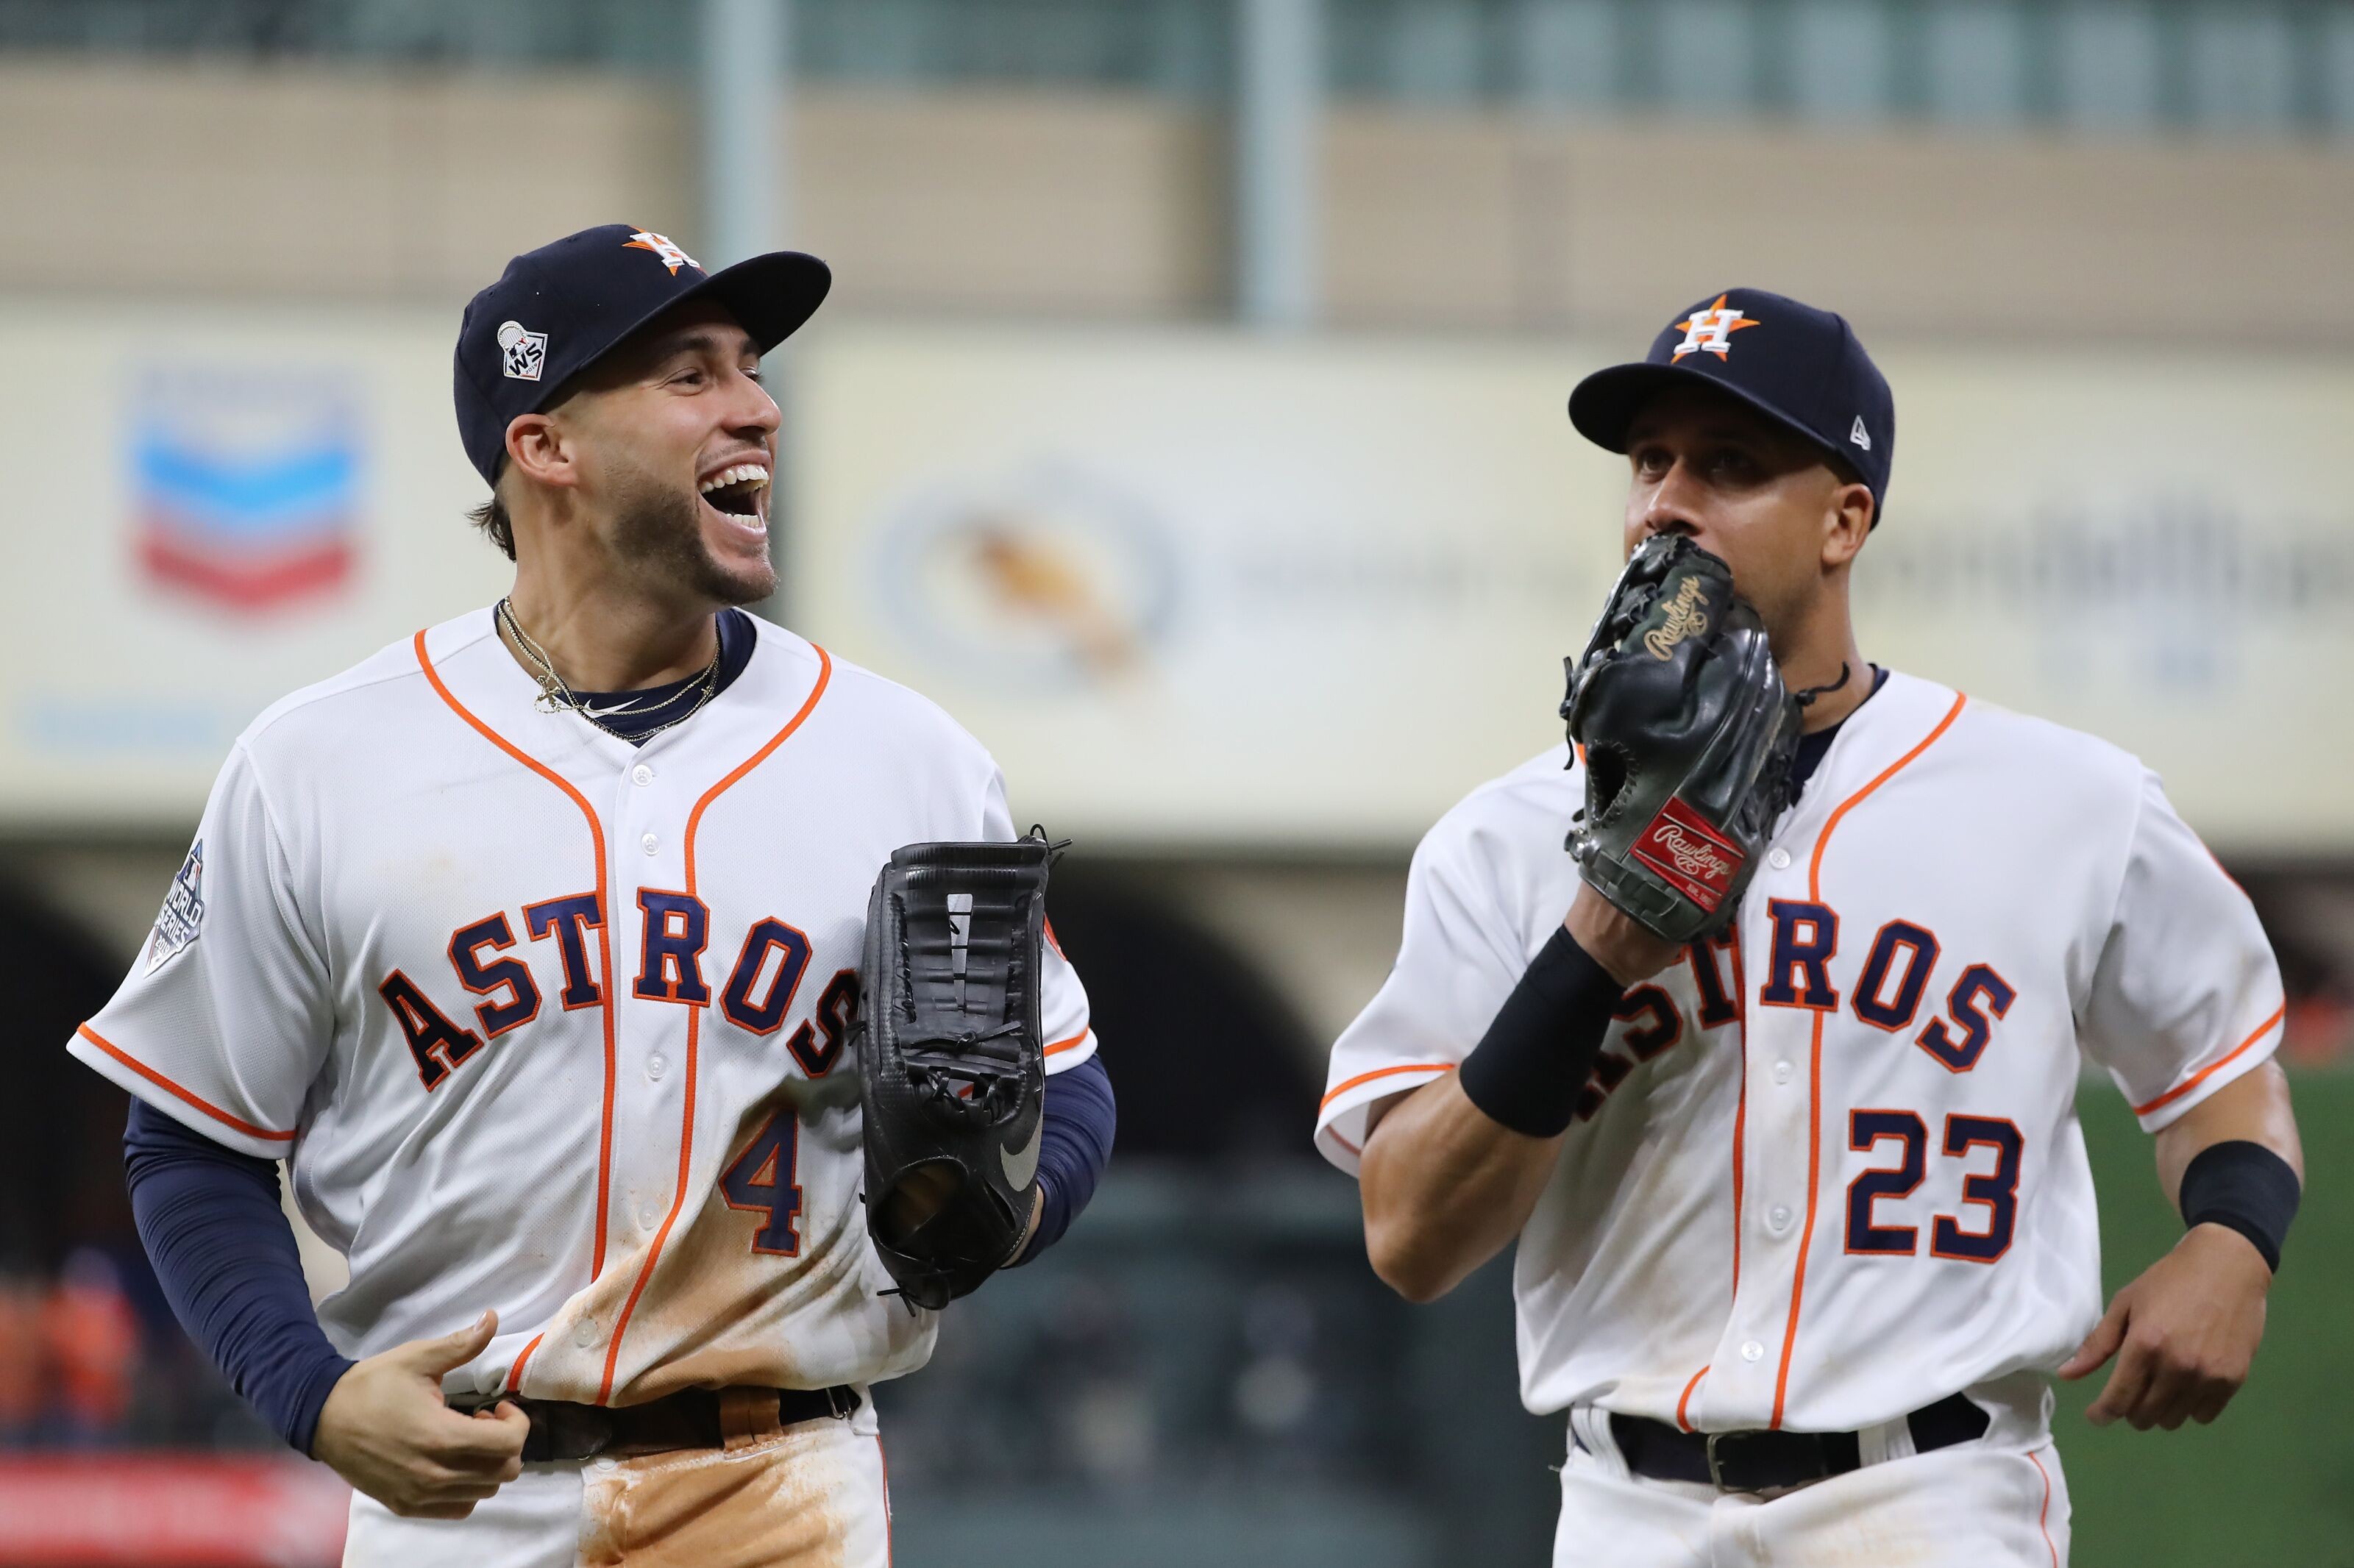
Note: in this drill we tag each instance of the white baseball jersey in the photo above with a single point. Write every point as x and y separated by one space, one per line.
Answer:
549 1022
1827 1169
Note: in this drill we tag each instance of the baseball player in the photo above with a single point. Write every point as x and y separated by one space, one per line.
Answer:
1804 1219
532 945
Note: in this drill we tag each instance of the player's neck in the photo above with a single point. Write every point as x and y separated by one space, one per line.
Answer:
1814 671
610 641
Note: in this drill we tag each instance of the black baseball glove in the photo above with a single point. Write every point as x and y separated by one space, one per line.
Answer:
1688 735
951 1063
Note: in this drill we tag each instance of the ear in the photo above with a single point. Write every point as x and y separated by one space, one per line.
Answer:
1847 523
536 449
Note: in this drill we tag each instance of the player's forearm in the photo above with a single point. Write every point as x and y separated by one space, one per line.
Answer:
1445 1187
2253 1108
225 1255
2185 1331
1076 1127
1451 1174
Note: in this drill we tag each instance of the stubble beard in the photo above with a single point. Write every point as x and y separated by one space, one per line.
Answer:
658 529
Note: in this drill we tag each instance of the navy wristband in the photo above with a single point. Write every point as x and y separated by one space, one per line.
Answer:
1529 1068
2245 1187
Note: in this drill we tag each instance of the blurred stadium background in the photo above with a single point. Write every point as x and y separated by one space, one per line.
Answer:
1187 419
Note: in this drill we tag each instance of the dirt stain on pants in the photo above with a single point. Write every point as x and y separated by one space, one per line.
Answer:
812 1495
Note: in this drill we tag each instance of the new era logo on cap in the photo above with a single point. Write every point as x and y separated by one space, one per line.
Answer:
1800 367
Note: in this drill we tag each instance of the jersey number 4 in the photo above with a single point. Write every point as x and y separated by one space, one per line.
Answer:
760 1179
1996 1190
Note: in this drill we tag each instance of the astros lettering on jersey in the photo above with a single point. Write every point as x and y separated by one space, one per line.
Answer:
1827 1169
551 1023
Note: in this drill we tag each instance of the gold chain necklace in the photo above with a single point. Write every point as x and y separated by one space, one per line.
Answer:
556 696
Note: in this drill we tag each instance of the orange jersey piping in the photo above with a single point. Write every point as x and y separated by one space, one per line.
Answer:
1685 1400
2203 1074
514 1372
1815 1078
2043 1514
1073 1043
694 1021
166 1085
604 937
1740 1130
1346 1085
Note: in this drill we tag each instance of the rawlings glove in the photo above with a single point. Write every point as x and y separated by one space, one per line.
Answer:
1688 736
951 1063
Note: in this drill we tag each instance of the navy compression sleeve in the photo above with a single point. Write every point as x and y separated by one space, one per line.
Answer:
225 1255
1076 1123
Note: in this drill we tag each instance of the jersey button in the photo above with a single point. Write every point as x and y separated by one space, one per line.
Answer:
642 774
1752 1350
584 1332
651 844
1782 1071
1778 1219
656 1066
648 1217
1778 858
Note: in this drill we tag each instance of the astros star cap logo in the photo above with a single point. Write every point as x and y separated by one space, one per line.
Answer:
1711 330
674 258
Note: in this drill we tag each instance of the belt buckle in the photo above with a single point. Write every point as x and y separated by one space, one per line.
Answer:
1715 1467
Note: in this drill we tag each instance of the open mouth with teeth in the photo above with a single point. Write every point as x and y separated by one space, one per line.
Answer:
741 492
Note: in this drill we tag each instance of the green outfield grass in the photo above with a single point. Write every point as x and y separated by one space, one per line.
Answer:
2272 1482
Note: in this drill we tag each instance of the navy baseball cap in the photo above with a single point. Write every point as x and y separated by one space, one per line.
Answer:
1799 367
558 309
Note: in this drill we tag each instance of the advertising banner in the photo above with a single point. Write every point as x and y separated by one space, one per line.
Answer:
204 510
1201 588
1190 587
1198 590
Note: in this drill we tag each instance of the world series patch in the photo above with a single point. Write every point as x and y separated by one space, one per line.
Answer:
183 911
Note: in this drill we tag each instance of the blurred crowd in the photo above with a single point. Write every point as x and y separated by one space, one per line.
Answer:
70 1349
91 1359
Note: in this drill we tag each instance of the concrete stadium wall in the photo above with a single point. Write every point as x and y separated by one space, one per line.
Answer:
165 179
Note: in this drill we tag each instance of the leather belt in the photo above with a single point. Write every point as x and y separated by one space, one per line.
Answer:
690 1419
1767 1461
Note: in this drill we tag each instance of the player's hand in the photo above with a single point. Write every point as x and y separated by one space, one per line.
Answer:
1614 939
920 1194
386 1429
1037 1213
2183 1333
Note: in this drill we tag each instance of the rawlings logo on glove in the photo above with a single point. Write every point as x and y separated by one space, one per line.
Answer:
1679 847
1684 619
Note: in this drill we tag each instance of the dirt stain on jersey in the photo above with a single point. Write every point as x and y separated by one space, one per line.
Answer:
715 1312
774 1502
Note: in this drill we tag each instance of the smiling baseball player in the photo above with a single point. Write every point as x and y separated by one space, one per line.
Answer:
1771 1073
533 945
